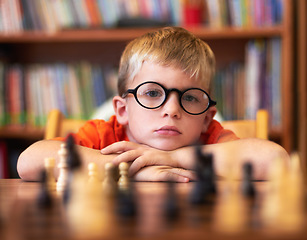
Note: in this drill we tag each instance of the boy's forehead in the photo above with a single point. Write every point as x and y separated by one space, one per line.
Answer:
165 73
180 83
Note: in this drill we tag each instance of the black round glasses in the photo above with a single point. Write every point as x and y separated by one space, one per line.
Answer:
152 95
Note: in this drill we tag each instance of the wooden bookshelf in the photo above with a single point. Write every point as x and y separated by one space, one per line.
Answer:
106 45
22 132
301 58
105 35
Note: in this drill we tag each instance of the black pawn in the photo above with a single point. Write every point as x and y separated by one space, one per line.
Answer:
171 208
74 163
44 199
73 157
126 206
248 188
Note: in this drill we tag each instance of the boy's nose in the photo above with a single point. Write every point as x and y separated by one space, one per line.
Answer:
172 107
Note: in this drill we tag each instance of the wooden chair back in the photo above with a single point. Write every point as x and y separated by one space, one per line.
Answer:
59 126
250 128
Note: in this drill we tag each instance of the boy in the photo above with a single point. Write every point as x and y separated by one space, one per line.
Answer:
162 110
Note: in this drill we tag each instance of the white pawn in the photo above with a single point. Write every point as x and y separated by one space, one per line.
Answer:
109 184
49 167
93 173
123 181
63 169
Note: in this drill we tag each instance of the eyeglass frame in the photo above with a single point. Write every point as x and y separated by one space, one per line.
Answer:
167 92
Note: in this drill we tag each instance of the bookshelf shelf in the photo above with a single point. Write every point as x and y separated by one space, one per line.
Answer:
21 132
105 35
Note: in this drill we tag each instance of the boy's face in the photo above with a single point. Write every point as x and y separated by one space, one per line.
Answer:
169 126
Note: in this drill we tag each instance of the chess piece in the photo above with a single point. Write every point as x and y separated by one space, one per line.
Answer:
205 186
49 167
109 184
126 205
272 206
248 188
123 181
87 214
231 214
72 165
44 199
171 208
93 173
73 158
63 169
292 218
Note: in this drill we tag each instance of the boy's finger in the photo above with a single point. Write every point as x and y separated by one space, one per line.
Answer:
184 173
118 147
127 156
160 176
155 160
165 176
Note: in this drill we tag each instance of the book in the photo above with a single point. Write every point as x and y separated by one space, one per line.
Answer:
2 95
93 13
214 13
4 171
276 82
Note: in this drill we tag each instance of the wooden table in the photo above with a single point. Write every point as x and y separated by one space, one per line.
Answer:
20 218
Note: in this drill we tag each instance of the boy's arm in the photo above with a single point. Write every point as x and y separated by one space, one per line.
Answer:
228 156
31 160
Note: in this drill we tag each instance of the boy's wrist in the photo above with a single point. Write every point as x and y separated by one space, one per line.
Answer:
184 157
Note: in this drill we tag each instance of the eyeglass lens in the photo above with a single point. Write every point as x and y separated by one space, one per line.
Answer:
152 95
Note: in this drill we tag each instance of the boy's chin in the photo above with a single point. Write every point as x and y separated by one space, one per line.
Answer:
166 146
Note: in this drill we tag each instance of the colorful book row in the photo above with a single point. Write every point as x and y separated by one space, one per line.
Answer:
244 13
28 93
241 89
54 15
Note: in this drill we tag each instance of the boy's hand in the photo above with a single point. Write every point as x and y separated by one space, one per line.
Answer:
164 173
143 156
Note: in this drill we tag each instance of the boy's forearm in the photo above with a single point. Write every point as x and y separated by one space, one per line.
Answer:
31 161
230 156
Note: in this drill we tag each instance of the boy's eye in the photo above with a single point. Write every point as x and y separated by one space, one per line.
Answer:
153 93
190 98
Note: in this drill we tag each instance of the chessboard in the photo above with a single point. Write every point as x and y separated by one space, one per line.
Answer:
95 204
161 211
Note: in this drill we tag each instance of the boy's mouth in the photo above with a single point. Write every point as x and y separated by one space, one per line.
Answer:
168 131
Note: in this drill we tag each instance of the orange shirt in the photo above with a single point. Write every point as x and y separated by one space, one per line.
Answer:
98 134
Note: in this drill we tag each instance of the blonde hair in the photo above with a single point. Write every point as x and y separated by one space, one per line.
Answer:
169 46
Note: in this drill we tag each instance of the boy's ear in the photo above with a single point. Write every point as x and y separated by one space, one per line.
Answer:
119 105
209 117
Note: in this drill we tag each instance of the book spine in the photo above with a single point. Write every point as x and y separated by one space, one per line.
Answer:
4 169
2 95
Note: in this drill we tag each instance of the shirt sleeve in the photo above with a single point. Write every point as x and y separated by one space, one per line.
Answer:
217 134
97 134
